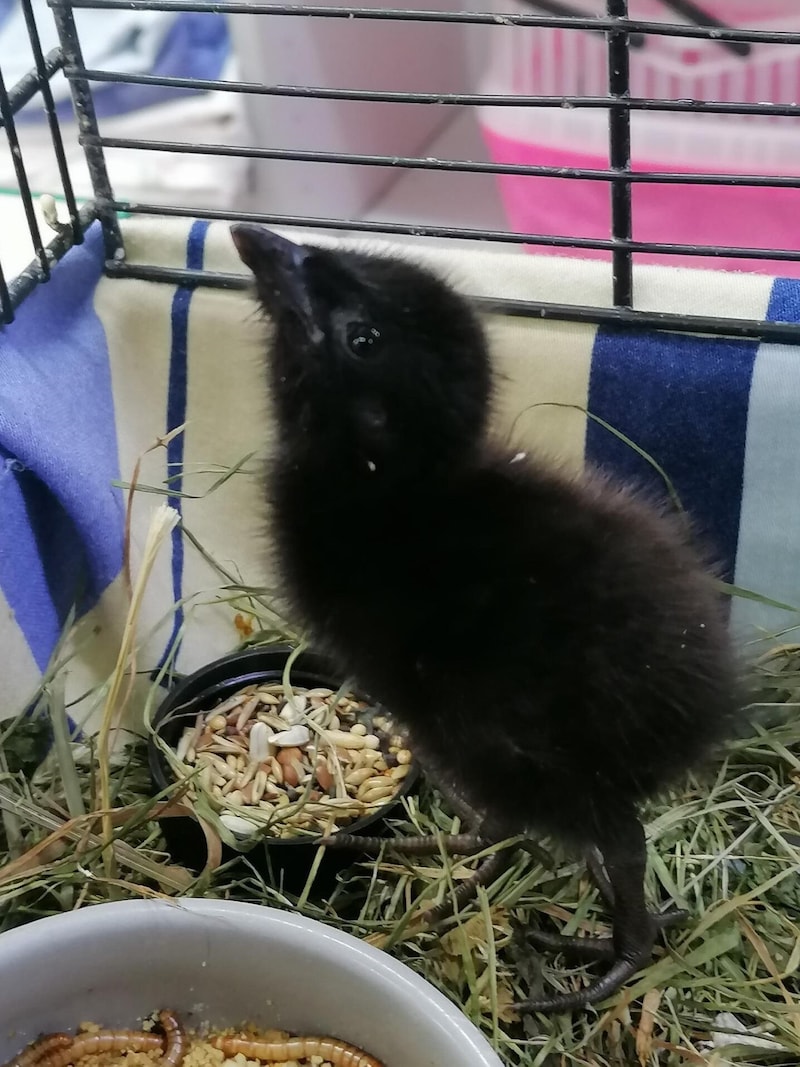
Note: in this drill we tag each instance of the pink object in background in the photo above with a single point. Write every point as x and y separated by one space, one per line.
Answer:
554 62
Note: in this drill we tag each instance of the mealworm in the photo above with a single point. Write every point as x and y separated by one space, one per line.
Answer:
339 1053
37 1050
174 1039
99 1042
60 1050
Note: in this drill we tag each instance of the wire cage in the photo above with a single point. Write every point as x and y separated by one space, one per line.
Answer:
352 33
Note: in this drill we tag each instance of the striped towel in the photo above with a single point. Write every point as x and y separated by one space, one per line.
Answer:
95 370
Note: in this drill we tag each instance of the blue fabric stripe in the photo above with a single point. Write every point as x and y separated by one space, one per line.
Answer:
768 560
176 413
684 400
784 301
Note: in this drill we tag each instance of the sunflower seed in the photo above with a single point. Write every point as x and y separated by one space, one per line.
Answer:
183 744
259 786
237 825
259 742
296 736
246 712
292 711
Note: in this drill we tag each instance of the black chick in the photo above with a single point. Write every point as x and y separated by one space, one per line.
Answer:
554 646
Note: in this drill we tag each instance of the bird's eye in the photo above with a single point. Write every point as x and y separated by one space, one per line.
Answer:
363 340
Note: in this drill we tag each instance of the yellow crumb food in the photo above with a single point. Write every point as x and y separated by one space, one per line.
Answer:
117 1059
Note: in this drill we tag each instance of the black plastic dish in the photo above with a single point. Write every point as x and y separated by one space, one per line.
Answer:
284 862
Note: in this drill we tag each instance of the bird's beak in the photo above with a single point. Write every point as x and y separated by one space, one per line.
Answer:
278 266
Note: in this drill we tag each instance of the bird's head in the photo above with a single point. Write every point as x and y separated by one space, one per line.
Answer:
373 358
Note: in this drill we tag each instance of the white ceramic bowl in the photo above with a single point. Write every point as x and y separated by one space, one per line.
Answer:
225 962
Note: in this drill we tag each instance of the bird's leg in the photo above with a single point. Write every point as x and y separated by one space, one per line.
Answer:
596 948
491 867
597 868
537 853
582 948
453 844
427 845
432 844
624 855
468 815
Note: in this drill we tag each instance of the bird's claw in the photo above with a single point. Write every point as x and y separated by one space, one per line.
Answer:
592 949
610 982
597 948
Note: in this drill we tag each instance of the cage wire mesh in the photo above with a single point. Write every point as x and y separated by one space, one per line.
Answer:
620 35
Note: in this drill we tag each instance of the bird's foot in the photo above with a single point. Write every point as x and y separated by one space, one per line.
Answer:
590 949
611 981
433 845
468 889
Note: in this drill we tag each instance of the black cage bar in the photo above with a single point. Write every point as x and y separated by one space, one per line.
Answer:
622 35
